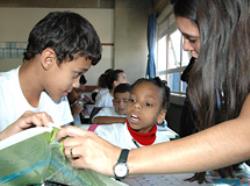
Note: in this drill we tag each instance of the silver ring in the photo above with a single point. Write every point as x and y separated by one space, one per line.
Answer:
71 153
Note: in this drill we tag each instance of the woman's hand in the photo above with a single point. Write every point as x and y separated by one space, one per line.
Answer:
86 150
27 120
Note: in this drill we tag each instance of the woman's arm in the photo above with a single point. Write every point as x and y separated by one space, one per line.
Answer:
219 146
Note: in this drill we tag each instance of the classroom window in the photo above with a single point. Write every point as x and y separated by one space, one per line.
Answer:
172 60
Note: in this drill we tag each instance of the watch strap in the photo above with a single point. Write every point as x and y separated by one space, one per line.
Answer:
123 156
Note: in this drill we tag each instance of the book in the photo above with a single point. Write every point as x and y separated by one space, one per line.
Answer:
33 157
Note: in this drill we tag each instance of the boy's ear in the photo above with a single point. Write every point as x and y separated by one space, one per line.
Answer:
48 58
161 116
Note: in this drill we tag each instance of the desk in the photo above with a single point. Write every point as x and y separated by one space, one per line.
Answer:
161 180
178 179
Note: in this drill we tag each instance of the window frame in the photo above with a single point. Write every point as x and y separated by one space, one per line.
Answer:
166 26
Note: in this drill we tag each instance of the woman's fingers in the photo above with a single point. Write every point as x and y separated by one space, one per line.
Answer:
85 149
70 131
72 152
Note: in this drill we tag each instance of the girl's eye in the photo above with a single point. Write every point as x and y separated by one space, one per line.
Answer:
131 100
148 104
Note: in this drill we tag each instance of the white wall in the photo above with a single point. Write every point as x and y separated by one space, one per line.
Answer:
125 26
131 37
16 23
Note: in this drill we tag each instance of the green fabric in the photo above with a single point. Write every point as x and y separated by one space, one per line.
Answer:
41 158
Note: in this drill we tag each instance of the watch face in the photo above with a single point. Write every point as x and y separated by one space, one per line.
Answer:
121 170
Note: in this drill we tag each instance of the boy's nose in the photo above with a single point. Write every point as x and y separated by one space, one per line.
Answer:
76 83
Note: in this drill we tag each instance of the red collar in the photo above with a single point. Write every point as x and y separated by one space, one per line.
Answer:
143 138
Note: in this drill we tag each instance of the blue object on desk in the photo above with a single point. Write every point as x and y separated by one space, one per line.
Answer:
231 182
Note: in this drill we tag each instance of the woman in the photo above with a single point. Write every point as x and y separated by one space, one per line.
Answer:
217 33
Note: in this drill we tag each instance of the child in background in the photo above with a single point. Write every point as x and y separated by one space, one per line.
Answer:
112 79
77 101
146 108
102 86
61 47
118 113
109 79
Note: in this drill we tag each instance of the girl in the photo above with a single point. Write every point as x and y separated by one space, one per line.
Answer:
146 108
111 78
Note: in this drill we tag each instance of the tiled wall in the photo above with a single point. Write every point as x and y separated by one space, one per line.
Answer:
12 49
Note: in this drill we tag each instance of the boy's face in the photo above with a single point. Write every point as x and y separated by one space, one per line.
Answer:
120 102
61 79
144 108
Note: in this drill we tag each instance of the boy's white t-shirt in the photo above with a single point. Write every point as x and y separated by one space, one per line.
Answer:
118 135
13 103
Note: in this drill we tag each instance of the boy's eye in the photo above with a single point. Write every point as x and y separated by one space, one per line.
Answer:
125 100
77 74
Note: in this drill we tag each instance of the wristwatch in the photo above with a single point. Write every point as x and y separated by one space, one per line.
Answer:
121 169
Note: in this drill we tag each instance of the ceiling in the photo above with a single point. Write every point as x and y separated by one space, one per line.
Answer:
58 3
158 5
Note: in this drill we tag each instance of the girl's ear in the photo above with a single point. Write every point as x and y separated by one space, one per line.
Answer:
161 116
48 58
115 83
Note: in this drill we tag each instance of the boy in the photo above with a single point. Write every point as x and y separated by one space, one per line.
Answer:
61 47
116 114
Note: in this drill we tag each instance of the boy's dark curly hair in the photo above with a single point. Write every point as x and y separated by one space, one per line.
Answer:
68 34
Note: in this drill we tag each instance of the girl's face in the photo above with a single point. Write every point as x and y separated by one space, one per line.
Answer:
191 35
122 78
144 108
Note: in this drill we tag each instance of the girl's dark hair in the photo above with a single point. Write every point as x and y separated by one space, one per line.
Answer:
112 76
68 34
219 81
102 80
157 82
107 79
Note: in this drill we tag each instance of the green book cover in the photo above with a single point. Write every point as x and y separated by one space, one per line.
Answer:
32 157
